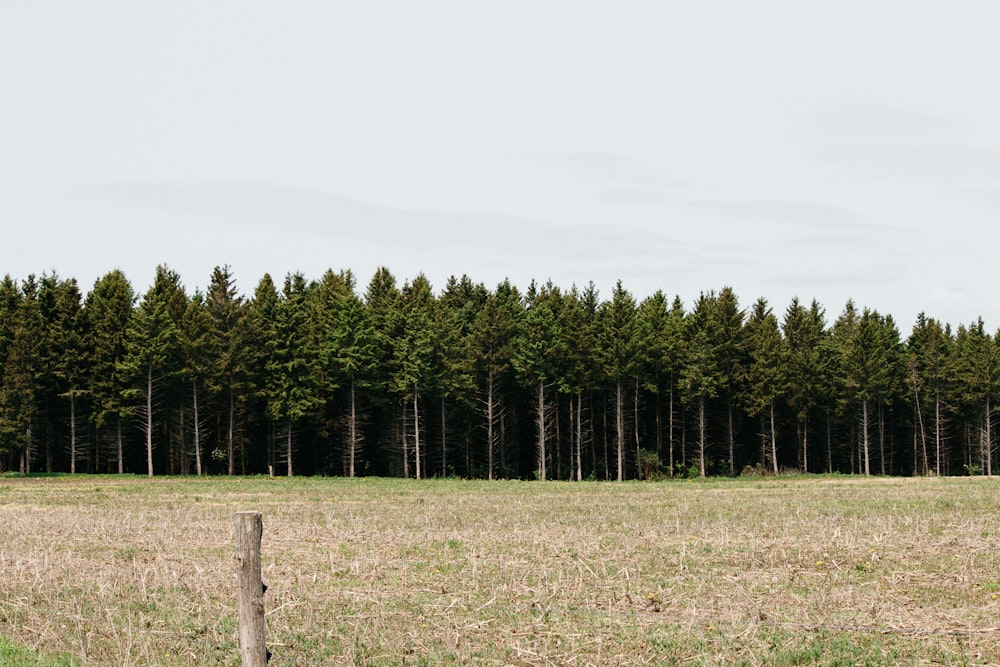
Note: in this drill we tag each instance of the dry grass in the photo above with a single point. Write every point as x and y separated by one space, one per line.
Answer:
125 571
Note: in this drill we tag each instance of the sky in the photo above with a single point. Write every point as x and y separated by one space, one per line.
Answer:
826 150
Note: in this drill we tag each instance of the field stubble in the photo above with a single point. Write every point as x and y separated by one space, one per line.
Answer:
129 571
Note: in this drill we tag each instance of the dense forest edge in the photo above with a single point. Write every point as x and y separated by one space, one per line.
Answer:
317 378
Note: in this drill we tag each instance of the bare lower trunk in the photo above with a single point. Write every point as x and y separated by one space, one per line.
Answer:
670 427
489 426
732 440
72 432
444 441
635 420
701 436
229 434
829 443
988 451
288 448
197 430
149 421
120 446
805 444
774 442
406 446
620 431
579 436
416 431
937 434
541 430
352 434
864 437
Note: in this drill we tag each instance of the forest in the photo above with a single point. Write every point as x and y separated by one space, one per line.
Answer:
316 377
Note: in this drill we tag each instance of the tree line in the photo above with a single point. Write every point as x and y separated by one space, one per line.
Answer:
315 377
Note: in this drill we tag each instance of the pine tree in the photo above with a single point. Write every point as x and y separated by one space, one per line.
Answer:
535 358
701 377
231 374
292 369
152 349
66 337
766 371
578 321
807 364
618 344
492 341
455 315
979 378
730 355
19 386
108 310
413 354
931 376
202 353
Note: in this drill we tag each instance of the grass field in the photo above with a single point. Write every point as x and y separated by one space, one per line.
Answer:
799 571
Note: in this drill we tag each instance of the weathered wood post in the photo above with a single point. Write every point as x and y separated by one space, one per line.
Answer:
253 643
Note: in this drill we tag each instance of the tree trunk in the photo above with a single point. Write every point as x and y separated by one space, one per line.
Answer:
732 439
197 430
937 433
489 426
444 440
416 431
988 469
701 436
352 433
72 432
829 441
579 436
406 445
120 446
541 430
288 447
229 434
774 442
805 443
149 420
635 421
864 437
881 438
670 427
620 430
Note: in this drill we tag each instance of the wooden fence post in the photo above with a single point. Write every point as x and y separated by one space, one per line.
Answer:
253 643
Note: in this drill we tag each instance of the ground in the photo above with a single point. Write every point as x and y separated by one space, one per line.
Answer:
779 571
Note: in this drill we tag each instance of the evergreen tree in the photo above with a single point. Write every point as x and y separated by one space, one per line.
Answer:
152 349
455 316
578 321
766 373
535 358
618 344
261 341
66 340
701 377
108 310
931 370
979 378
19 387
353 357
293 370
202 353
413 354
730 353
230 374
807 365
492 341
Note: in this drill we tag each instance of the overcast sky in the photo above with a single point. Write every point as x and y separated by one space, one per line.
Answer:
829 150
